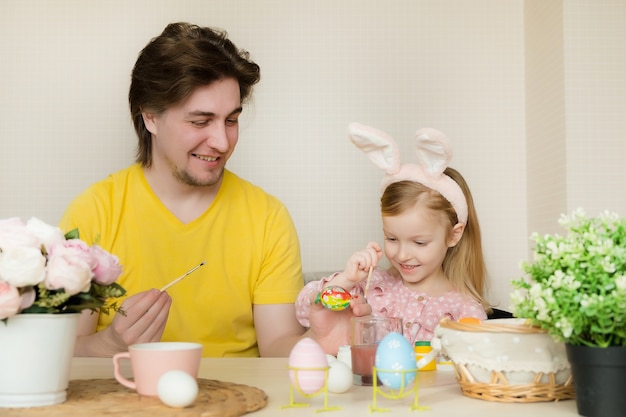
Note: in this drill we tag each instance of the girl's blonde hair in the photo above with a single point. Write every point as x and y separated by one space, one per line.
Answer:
464 263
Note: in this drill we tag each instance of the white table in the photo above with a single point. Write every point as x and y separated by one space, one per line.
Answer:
437 390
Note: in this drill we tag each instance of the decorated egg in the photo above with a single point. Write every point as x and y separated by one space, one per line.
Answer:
395 354
308 366
335 298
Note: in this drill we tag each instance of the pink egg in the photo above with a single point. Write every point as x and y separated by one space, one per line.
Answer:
308 365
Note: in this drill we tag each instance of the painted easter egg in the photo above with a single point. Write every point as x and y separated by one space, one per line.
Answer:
307 366
393 355
335 298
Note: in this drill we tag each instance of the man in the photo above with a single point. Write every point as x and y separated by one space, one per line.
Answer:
178 206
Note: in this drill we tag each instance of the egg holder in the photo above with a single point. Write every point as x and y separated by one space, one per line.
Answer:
295 386
397 371
505 360
396 394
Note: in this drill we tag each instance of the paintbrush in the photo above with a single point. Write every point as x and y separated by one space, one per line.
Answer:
367 283
182 276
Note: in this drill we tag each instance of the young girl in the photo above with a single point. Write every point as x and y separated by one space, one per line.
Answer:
432 242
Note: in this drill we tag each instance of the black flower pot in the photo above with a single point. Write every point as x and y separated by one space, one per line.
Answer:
599 380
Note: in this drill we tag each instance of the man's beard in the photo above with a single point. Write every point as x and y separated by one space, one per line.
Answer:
187 179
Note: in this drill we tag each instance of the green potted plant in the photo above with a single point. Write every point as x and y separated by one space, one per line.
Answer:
575 289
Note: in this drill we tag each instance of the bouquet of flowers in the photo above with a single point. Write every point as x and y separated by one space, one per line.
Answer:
576 286
43 270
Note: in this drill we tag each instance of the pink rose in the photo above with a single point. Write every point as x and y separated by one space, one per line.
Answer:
10 300
69 274
70 267
107 267
74 248
28 298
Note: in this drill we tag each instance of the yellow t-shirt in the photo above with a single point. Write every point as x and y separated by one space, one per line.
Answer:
246 237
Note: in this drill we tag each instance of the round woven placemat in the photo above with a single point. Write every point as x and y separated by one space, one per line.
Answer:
106 396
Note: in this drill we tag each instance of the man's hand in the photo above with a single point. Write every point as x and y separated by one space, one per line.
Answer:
331 329
144 318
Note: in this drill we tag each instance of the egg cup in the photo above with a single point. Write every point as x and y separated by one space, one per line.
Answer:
308 372
396 394
295 384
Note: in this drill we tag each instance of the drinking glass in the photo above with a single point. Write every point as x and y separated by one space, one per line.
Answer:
366 334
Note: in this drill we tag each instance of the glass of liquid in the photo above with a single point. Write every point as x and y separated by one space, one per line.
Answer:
366 334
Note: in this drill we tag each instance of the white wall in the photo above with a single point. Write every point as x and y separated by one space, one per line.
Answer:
576 108
546 141
595 92
455 65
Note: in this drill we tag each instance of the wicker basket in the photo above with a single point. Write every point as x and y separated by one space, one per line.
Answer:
505 360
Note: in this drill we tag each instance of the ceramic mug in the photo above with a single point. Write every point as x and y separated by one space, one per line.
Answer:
148 361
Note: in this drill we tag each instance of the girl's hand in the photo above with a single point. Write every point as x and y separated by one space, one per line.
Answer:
359 264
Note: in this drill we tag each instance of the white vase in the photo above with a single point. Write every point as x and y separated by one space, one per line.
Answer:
35 357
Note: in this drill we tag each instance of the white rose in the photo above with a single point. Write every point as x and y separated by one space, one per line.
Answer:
22 266
13 232
48 235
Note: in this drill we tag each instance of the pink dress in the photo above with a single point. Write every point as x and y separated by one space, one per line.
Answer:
420 313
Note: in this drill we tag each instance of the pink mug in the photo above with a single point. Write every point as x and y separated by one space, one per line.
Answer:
149 361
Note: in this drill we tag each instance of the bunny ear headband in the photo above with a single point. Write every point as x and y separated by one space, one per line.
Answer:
433 155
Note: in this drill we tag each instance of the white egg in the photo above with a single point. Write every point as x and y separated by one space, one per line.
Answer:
177 389
339 377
